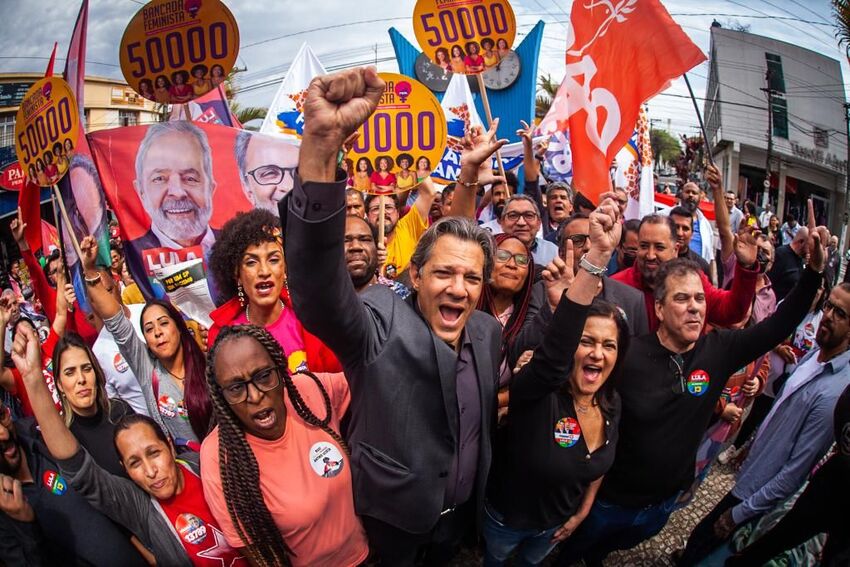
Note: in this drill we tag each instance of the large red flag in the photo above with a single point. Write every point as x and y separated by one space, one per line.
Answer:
619 54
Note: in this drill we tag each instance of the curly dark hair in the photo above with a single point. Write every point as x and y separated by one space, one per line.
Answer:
250 228
240 473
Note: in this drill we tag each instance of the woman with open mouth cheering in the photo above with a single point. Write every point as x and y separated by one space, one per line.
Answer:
561 431
249 271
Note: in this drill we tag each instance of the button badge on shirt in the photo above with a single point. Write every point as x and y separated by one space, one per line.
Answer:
326 459
567 432
698 382
191 528
54 482
119 363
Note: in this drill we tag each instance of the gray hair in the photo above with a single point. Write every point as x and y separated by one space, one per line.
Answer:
243 138
517 198
560 186
677 267
179 126
461 228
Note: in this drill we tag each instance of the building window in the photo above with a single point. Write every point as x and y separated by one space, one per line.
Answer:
86 118
775 78
7 130
780 118
821 137
128 117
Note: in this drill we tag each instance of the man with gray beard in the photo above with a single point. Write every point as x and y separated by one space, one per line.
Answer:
174 181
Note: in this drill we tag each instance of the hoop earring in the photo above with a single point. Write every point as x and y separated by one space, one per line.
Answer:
241 294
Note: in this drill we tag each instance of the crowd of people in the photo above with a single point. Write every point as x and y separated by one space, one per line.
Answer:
526 372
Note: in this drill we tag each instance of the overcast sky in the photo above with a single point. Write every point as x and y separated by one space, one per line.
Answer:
347 31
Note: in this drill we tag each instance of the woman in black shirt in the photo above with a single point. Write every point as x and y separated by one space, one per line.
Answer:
561 429
88 412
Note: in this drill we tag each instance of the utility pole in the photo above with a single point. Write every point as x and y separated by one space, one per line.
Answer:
770 92
841 246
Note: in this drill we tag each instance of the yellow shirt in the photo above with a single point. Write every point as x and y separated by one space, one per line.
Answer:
131 295
402 183
491 60
362 183
407 233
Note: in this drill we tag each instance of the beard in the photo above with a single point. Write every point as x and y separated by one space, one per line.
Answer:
690 206
181 230
361 279
7 468
498 210
647 276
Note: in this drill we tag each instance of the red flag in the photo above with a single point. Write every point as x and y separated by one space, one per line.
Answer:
75 62
49 71
29 201
49 237
619 54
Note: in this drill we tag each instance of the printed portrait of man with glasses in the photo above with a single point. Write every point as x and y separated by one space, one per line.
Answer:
267 168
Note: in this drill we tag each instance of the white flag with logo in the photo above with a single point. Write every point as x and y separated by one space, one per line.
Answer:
285 117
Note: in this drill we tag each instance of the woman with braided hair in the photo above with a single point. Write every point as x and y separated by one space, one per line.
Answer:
276 473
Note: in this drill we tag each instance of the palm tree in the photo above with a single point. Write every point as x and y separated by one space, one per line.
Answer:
546 90
841 12
243 114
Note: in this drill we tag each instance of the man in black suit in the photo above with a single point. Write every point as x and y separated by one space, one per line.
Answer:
788 264
422 371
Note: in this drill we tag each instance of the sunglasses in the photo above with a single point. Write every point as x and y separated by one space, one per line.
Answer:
677 366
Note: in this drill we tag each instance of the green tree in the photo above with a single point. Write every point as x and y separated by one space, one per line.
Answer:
665 148
243 114
841 12
546 90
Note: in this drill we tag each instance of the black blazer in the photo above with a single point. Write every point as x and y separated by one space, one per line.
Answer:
403 431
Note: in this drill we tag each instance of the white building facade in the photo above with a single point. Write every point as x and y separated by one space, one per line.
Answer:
807 125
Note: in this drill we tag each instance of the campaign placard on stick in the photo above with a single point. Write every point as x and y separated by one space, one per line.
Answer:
407 125
465 36
46 127
174 51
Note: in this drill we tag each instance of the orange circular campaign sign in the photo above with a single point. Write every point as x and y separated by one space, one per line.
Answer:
174 51
46 129
465 36
408 125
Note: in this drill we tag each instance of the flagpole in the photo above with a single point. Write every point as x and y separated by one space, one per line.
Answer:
699 117
67 222
482 88
59 234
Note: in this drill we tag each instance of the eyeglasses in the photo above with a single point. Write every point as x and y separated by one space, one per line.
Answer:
271 174
528 216
264 380
677 366
579 239
838 312
502 256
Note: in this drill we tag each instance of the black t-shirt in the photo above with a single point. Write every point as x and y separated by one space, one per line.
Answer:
95 435
67 530
542 466
664 418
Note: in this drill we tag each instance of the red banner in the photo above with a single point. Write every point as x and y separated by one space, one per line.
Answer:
12 177
617 58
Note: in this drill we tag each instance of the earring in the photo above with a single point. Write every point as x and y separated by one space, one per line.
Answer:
241 294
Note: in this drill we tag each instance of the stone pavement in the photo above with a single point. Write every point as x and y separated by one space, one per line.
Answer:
656 552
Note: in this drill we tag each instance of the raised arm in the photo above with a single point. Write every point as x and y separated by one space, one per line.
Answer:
102 301
532 170
313 213
550 367
65 297
424 198
475 170
41 287
728 307
721 213
26 354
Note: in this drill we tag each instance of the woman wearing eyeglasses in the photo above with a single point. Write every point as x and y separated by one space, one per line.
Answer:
561 431
276 473
506 297
162 503
249 271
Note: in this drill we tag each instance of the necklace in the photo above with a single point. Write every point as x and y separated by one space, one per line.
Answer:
248 317
581 408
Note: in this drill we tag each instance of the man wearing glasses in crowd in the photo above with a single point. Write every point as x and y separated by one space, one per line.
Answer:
675 377
521 218
266 168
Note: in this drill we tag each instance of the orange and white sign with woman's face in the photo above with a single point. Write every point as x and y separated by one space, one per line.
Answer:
46 128
464 36
174 52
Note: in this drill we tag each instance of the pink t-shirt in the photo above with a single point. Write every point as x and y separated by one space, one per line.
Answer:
305 479
287 331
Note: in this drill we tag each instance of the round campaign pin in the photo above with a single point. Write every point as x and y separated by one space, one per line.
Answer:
119 363
567 432
326 459
191 528
698 382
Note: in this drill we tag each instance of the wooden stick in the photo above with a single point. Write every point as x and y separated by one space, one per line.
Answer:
59 234
67 222
482 88
381 213
186 112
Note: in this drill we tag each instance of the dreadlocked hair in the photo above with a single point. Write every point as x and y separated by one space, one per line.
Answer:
240 474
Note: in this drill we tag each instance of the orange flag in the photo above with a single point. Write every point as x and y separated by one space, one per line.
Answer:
619 54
